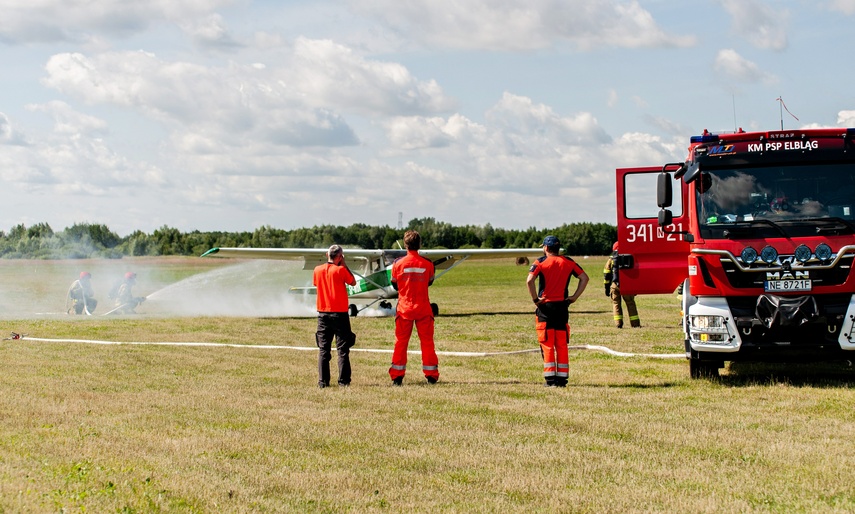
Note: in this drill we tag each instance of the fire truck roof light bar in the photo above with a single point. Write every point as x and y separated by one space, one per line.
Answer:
709 137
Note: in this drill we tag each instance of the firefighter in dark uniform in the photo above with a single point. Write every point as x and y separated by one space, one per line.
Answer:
80 297
553 272
611 282
333 317
125 302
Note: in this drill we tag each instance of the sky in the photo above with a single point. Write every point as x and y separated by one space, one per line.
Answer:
230 115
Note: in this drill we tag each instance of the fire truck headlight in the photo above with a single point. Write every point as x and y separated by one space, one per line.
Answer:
709 330
769 255
749 255
708 322
823 252
802 254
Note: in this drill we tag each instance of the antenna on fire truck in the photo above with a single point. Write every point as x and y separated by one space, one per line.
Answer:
782 108
733 99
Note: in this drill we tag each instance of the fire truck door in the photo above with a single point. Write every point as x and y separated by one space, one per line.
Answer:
652 260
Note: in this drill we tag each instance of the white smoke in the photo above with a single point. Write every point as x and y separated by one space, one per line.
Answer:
247 289
254 288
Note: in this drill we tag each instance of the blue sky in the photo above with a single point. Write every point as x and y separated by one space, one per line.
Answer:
234 114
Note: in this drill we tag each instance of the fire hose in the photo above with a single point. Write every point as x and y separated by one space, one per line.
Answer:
603 349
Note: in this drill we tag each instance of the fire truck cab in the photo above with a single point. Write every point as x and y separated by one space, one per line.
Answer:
759 230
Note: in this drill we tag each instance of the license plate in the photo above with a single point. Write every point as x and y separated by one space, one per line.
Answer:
788 285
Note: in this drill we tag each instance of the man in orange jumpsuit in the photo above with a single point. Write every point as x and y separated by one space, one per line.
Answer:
333 317
411 277
552 316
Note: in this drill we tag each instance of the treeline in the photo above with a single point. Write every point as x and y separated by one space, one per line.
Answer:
86 240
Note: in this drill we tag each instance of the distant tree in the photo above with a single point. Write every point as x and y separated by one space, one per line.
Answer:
87 240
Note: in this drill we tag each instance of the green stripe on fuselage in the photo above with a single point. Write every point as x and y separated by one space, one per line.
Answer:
371 282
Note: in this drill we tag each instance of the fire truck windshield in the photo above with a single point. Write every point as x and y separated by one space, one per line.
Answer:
776 201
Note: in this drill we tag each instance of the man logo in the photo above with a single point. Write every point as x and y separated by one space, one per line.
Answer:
787 275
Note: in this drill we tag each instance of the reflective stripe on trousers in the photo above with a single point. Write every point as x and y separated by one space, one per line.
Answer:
617 309
403 331
553 346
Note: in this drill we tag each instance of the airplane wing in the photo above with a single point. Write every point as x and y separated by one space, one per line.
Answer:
373 267
442 258
311 257
480 253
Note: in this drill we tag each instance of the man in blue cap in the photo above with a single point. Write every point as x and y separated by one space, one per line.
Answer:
553 272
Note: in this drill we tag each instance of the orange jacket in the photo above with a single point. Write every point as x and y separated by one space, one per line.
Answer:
554 272
330 279
411 276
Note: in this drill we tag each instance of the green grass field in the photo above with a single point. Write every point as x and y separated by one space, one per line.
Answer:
148 428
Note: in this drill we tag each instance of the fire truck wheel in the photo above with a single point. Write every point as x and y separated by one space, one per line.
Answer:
703 369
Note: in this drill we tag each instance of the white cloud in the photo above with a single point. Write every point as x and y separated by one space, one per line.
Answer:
297 102
523 24
525 154
846 118
8 134
410 133
334 75
73 158
211 32
613 98
83 20
844 6
762 24
519 115
729 63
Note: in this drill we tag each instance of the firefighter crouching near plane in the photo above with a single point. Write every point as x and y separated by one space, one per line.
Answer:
333 316
80 296
125 301
411 277
611 281
552 315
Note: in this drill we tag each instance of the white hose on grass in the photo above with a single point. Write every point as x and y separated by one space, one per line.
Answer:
367 350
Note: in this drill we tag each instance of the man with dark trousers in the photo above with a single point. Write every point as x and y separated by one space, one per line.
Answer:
333 318
411 277
553 272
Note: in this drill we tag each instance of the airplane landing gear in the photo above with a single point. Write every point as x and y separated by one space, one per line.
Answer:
435 309
385 305
353 310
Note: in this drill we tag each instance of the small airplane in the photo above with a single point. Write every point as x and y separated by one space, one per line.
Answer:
373 268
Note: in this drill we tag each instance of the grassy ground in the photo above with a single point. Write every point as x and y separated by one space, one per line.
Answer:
136 428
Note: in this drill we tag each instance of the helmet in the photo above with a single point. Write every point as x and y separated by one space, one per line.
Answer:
85 274
614 247
130 275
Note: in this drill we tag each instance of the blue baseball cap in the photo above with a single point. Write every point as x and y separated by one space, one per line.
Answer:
551 241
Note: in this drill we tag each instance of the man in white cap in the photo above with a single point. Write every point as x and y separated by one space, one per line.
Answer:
331 279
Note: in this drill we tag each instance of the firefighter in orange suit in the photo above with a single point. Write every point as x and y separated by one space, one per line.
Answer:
333 316
611 281
553 272
411 277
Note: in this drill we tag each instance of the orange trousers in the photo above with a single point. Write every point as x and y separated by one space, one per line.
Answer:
553 346
403 331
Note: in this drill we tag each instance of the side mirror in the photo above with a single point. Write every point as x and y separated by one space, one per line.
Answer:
664 193
665 217
692 173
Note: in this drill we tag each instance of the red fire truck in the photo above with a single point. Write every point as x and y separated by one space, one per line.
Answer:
759 229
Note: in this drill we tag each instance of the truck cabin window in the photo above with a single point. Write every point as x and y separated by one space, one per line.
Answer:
788 201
